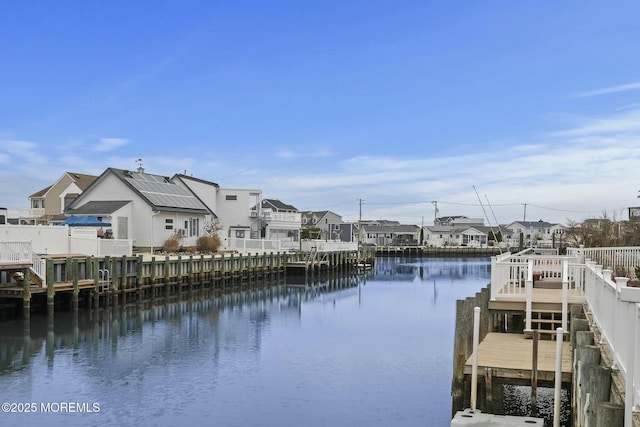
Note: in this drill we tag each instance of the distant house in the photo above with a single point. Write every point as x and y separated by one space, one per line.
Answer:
328 222
634 214
535 231
458 220
234 209
462 235
394 235
281 221
50 202
346 232
144 207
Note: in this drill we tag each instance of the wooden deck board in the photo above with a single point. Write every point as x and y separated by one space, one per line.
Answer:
509 356
541 297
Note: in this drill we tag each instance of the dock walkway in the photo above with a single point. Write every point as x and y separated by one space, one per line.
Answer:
509 356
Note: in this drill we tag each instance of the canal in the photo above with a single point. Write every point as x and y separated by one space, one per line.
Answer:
368 350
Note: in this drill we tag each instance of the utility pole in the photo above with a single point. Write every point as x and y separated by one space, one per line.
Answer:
525 212
435 211
360 221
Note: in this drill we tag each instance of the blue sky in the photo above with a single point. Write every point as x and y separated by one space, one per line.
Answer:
322 103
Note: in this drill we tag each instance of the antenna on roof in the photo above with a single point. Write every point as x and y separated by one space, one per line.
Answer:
140 168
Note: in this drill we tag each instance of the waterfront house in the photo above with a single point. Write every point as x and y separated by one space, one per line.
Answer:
462 235
233 209
458 220
535 233
394 234
48 204
281 221
150 208
328 222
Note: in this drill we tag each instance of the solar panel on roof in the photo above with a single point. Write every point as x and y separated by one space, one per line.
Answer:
160 192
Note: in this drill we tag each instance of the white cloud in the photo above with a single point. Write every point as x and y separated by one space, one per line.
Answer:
607 90
287 153
108 144
623 122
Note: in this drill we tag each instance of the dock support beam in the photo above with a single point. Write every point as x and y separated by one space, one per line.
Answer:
26 295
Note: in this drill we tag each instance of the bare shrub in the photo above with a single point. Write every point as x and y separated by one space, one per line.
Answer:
208 243
172 244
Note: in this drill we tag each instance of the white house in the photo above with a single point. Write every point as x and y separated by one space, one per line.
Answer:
281 221
233 208
396 234
151 207
535 232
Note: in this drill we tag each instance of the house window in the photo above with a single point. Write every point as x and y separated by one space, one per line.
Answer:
168 224
239 234
304 220
231 197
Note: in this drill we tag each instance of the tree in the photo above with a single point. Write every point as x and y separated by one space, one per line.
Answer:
311 233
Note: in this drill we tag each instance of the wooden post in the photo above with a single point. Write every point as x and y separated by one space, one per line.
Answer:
588 356
139 279
76 289
96 283
123 278
598 388
26 294
488 389
609 414
167 275
577 325
51 288
459 358
152 273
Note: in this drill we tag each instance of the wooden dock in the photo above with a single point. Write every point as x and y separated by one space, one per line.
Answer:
106 280
506 355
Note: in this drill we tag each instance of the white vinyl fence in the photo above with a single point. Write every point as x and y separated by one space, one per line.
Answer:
56 239
616 312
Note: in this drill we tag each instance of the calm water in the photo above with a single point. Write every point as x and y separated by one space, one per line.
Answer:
368 351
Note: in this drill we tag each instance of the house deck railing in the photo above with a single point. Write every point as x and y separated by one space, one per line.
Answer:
614 306
328 245
621 261
15 252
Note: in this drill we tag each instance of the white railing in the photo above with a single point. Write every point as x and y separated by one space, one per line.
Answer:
509 273
115 247
282 217
39 267
619 260
616 311
328 246
16 252
260 245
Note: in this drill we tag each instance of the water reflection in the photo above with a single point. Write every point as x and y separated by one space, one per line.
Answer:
369 350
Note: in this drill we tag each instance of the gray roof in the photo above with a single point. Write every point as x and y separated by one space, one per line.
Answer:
160 192
278 205
99 207
535 224
397 228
